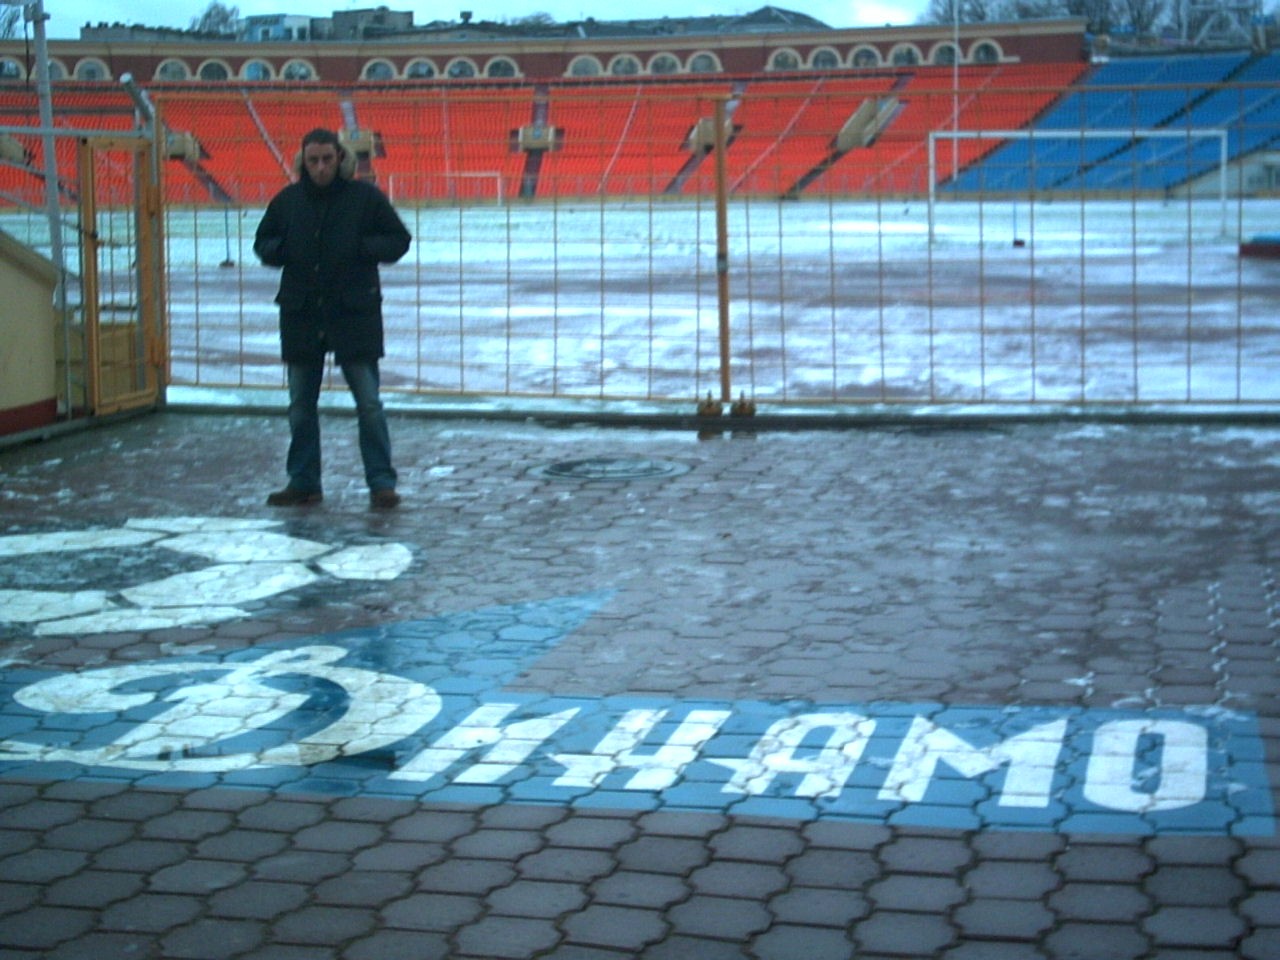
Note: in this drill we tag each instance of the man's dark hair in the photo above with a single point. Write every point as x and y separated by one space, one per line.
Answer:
322 136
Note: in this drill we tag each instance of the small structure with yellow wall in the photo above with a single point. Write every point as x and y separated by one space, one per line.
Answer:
28 378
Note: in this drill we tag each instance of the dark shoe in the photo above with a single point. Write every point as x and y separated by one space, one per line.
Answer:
384 499
289 497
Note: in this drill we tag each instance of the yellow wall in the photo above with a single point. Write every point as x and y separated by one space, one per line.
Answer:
28 383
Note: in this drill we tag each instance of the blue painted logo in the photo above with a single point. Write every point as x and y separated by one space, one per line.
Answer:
424 709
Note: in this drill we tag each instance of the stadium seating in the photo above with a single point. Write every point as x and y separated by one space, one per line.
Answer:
1124 96
626 137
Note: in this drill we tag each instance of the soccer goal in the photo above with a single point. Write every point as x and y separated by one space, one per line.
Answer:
1162 133
480 186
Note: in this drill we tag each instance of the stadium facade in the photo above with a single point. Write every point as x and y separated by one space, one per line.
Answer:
301 50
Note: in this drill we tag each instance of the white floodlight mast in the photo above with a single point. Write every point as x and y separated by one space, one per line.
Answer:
33 13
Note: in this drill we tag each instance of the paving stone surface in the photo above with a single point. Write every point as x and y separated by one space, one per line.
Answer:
802 711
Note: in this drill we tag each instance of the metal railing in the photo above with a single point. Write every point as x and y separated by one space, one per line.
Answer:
621 267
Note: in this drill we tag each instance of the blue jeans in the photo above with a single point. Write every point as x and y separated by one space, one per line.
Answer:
303 462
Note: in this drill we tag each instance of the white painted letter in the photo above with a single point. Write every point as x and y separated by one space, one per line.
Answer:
1180 777
658 769
509 746
825 774
1032 757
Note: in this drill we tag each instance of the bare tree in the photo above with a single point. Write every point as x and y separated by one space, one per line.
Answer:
10 18
533 20
970 11
1142 15
217 18
1100 14
1031 9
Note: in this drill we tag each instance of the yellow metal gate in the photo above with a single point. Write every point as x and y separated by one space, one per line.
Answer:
121 326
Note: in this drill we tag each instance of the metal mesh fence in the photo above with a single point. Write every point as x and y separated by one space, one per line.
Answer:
567 246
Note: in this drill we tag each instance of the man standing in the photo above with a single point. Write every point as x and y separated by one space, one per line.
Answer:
329 233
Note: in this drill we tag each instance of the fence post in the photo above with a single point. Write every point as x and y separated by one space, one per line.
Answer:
722 249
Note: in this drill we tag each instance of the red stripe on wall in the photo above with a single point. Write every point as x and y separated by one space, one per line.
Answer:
28 417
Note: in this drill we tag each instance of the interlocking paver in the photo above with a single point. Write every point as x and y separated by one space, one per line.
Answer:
368 888
1194 886
1013 880
1097 940
257 899
797 569
634 889
915 894
534 898
833 868
663 855
42 928
566 865
400 945
1100 901
93 889
466 876
42 866
502 937
93 946
213 939
904 934
728 878
723 918
153 912
142 856
323 926
782 942
441 912
1104 862
507 845
1195 926
198 876
996 919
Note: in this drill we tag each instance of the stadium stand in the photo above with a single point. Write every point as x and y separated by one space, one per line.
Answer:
1124 96
788 134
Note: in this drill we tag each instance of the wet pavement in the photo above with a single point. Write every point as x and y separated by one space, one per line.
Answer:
1001 691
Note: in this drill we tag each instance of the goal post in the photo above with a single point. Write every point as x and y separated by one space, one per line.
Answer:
478 185
1163 133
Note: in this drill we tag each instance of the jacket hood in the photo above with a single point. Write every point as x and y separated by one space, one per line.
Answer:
346 166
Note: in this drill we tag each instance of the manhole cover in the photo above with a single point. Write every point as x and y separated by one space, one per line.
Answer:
613 468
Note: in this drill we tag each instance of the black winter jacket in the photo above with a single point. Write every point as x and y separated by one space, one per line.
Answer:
330 243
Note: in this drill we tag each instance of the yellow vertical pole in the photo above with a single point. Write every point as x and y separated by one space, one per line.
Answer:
89 279
722 249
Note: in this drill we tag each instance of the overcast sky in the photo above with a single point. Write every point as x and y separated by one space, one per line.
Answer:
67 16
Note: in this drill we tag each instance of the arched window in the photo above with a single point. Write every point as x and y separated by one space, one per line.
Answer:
91 68
624 66
257 70
585 66
378 70
944 54
824 58
501 67
866 57
11 69
173 71
460 68
57 71
988 51
904 55
298 70
214 70
704 62
784 60
664 63
420 70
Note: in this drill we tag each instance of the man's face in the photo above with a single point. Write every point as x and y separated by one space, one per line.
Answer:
321 161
